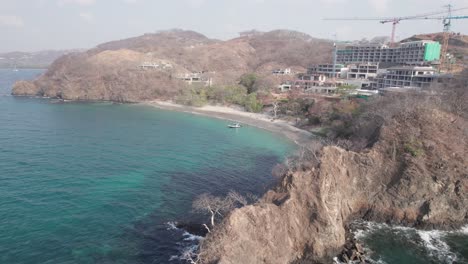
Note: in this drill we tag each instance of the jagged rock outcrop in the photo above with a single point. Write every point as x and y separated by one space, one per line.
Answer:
416 175
110 71
24 88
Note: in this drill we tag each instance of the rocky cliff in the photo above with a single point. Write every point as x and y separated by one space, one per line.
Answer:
416 174
110 71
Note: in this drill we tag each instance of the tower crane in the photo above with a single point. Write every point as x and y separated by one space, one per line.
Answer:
447 22
396 20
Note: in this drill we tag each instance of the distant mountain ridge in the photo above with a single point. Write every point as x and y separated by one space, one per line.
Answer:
38 59
111 70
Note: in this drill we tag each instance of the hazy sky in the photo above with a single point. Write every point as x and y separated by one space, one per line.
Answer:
31 25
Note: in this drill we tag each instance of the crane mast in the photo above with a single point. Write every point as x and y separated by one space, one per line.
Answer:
447 25
446 20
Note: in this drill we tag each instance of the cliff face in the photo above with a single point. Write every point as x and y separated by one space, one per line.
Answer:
110 71
415 175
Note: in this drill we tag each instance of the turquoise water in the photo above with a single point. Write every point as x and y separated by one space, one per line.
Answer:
98 182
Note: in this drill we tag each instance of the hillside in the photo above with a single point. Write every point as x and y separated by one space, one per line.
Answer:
40 59
413 173
110 71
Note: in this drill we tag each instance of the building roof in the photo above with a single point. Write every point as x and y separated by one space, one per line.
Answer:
415 68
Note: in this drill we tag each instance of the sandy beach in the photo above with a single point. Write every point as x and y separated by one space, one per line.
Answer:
281 127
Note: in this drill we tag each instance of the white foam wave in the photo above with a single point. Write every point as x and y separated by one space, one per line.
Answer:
433 241
464 230
188 253
369 260
191 237
171 225
188 246
379 261
366 228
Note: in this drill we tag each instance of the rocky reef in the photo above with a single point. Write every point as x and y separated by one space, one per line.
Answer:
416 174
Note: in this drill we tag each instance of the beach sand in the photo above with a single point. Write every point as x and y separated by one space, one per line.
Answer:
281 127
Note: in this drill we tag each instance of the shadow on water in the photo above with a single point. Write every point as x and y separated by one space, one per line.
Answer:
156 240
99 183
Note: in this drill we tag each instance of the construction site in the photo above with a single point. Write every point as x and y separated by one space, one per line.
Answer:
370 68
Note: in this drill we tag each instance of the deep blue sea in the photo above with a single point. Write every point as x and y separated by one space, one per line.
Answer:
99 182
102 183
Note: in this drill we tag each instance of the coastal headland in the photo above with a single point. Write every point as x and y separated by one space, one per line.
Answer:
398 159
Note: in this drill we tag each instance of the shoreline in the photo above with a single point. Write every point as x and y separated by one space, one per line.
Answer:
262 121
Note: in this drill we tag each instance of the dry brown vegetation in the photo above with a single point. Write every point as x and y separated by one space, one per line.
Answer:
405 164
109 71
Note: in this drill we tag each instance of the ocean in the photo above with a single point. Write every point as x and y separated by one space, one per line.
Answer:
102 182
403 245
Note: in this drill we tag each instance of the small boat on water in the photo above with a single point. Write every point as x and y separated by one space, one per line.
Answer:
234 125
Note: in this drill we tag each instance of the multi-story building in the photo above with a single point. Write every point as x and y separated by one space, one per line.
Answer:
362 71
311 83
421 52
406 77
327 70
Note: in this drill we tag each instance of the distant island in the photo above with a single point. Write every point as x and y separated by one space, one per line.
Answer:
32 60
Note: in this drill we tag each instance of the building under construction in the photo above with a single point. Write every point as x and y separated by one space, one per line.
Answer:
408 77
329 70
424 52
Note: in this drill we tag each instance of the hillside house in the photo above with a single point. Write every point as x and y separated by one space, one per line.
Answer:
286 71
196 78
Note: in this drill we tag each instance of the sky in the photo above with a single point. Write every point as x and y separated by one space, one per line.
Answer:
33 25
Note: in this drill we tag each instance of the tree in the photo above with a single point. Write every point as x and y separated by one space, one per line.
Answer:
249 81
275 109
241 200
237 198
215 206
252 104
345 90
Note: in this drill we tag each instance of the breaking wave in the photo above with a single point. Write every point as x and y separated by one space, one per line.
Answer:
424 246
188 247
436 246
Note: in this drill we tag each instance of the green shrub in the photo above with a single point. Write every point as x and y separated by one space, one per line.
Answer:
235 94
193 97
252 104
232 94
314 120
345 90
249 81
298 107
414 148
